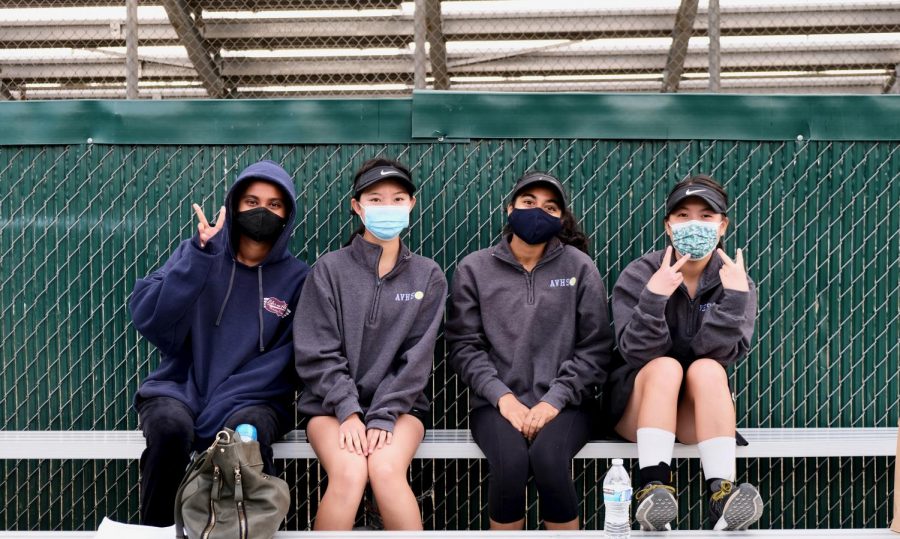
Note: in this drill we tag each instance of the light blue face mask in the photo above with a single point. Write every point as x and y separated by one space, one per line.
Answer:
386 222
695 238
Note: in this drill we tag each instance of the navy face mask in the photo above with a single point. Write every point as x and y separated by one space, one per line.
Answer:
259 224
534 225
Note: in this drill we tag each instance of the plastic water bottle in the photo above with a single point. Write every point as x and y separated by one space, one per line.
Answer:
617 499
247 432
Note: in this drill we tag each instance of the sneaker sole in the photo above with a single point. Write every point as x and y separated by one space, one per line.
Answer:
742 510
656 512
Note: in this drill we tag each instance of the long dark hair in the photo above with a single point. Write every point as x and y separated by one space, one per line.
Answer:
365 167
571 233
701 180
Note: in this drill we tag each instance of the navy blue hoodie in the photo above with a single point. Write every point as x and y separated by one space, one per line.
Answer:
223 329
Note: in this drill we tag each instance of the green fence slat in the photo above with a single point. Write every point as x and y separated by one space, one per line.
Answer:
819 220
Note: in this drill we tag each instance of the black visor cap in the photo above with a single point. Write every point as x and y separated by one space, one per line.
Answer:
377 174
540 177
711 197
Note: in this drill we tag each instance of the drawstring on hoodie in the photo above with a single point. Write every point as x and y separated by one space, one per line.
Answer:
261 300
227 294
262 347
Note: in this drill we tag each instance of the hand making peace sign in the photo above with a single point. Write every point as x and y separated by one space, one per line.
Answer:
206 230
733 274
667 278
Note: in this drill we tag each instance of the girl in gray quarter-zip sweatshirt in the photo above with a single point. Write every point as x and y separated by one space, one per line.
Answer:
529 334
366 344
364 351
682 317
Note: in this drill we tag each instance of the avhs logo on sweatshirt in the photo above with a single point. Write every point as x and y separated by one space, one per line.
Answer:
404 296
276 306
557 283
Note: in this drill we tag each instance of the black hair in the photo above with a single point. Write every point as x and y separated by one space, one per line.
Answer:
375 162
571 233
703 180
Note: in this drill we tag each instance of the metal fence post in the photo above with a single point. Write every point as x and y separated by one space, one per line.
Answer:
437 44
681 35
419 29
715 57
895 87
131 49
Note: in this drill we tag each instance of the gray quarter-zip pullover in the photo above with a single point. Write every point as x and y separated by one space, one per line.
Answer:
366 344
715 324
542 335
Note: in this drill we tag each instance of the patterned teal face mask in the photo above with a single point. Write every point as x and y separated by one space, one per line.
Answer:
695 238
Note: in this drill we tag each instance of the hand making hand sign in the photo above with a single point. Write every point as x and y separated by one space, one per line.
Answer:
733 274
667 278
206 230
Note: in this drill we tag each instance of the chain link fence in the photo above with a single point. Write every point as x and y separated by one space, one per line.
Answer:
157 49
819 221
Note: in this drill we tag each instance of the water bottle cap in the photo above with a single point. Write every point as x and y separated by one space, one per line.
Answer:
617 462
246 431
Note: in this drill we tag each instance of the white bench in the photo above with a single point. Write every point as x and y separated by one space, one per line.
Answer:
452 534
458 444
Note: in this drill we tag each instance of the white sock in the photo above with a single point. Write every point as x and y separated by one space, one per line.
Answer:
717 457
654 446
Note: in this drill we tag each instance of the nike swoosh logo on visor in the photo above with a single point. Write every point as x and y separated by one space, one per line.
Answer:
385 172
689 192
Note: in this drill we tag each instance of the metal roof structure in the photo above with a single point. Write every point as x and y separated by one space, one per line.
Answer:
51 49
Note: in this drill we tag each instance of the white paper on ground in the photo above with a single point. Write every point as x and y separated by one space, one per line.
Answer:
110 529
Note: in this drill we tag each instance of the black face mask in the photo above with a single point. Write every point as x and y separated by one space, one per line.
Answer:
534 225
259 224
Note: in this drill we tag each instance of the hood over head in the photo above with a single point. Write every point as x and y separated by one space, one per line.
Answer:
271 172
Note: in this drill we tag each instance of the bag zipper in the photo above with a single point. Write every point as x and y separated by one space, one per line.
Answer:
211 523
243 528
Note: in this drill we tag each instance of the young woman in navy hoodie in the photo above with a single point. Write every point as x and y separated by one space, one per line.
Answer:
364 350
529 335
683 315
220 311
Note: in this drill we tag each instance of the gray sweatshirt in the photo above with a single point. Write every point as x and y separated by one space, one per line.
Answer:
716 324
363 344
542 335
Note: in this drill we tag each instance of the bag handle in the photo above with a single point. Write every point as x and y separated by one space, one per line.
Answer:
192 471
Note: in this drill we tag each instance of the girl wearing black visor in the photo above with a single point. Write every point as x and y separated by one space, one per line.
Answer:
364 350
683 315
529 335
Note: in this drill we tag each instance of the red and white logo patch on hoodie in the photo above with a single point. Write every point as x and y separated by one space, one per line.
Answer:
276 306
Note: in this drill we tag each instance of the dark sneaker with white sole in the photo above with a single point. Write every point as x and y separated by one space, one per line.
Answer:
734 507
656 507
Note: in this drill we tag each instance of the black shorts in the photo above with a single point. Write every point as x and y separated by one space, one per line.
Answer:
617 392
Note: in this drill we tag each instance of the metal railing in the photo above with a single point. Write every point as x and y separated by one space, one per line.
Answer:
158 49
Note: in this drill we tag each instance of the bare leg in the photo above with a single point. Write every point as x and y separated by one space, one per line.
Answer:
501 526
388 468
570 525
706 410
654 401
347 476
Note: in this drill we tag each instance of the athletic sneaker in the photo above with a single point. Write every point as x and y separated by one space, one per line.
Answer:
656 507
734 507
